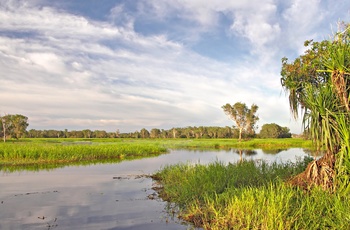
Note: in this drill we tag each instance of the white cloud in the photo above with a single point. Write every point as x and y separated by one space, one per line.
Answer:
301 18
254 20
69 71
19 16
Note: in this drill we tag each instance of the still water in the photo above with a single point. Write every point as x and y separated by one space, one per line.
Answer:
104 196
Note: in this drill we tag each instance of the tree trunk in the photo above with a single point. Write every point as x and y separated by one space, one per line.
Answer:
4 128
240 134
319 172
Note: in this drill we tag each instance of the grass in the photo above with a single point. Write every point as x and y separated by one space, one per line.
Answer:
250 195
49 151
53 151
234 143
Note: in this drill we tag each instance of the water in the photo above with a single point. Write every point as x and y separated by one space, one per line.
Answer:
104 196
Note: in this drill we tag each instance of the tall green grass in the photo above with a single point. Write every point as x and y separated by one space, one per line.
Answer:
186 143
250 195
66 150
235 143
20 153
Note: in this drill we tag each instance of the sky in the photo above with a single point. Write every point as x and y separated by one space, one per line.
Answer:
127 65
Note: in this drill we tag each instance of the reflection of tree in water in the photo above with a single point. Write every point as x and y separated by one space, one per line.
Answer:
246 152
272 151
314 153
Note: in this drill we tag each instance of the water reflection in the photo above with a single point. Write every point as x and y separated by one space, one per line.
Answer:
51 166
246 152
273 151
104 196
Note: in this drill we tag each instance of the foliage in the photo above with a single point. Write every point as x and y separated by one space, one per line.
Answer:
185 132
319 83
244 117
274 131
13 125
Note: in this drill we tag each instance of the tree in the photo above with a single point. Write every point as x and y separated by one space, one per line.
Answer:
4 126
33 133
174 132
274 131
100 133
87 133
14 125
155 133
318 83
244 117
144 133
117 133
285 133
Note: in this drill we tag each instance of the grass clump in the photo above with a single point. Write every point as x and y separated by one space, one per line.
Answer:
250 195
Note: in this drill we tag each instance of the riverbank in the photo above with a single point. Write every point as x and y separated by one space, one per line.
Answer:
250 195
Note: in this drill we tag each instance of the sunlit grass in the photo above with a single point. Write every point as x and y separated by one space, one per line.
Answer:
184 142
65 150
22 153
235 143
250 195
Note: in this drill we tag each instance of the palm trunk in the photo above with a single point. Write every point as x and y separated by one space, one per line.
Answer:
319 172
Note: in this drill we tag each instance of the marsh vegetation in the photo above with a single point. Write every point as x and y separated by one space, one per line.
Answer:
109 193
250 195
66 150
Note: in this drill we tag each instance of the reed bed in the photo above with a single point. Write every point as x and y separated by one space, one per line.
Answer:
186 143
20 153
250 195
235 143
66 150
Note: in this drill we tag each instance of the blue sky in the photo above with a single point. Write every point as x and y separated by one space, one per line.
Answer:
127 65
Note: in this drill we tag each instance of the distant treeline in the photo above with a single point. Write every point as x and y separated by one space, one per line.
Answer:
15 126
267 131
188 132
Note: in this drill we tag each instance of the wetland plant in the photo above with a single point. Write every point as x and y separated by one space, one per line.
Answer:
20 153
250 195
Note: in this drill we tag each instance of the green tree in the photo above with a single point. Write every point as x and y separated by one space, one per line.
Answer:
274 131
244 117
318 84
77 134
99 134
33 133
136 134
144 133
155 133
87 133
14 125
270 131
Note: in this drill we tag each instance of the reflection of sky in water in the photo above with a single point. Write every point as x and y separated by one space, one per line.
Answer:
87 197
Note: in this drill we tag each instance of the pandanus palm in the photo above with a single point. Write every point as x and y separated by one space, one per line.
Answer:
324 96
